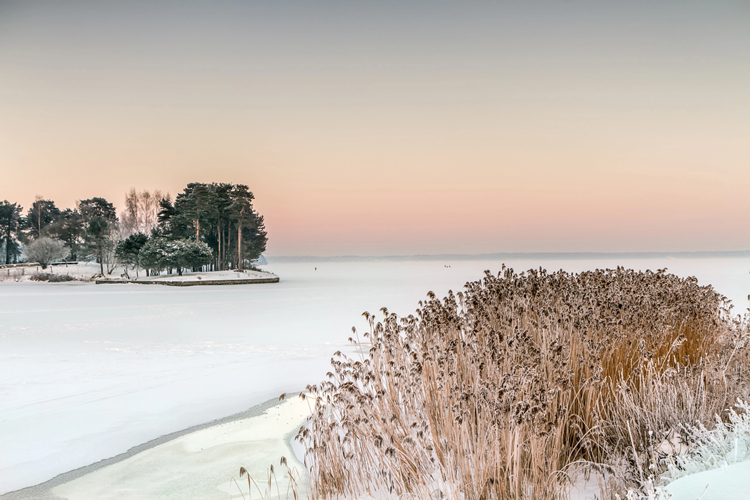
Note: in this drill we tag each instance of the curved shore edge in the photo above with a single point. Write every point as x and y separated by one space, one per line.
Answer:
254 439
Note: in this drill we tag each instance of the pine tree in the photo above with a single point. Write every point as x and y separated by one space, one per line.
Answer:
242 210
41 214
220 215
10 223
68 227
128 250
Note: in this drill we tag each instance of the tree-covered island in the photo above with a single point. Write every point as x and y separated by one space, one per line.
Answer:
210 227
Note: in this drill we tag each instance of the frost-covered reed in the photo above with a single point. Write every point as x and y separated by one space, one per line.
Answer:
507 389
728 442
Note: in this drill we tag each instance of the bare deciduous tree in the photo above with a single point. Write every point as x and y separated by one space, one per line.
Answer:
141 211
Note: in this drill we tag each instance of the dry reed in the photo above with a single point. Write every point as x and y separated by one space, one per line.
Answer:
503 390
265 490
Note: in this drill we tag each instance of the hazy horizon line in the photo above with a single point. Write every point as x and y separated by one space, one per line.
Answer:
508 255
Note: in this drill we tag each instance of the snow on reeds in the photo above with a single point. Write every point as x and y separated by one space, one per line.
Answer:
509 389
728 442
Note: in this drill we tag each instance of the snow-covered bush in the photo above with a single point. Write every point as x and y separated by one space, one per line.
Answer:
725 444
45 251
648 492
52 278
160 253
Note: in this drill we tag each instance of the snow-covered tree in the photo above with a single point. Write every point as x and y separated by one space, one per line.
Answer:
45 251
160 253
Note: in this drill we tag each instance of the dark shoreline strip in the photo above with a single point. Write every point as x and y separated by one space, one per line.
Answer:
249 281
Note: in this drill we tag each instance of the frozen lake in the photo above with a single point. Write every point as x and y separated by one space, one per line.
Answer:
88 371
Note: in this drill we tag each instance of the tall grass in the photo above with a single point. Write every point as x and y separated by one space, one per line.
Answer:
503 390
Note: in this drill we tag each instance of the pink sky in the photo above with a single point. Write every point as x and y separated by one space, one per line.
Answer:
386 129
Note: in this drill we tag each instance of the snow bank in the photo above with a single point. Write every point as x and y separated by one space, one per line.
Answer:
200 278
202 465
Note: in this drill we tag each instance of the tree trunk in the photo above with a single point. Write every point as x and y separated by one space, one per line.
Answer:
197 229
218 257
239 247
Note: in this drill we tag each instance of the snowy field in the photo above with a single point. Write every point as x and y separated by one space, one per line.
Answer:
88 371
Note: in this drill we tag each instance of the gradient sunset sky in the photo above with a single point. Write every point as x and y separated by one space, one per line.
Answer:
384 128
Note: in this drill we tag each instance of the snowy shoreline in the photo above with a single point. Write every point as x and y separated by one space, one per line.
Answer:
204 457
203 462
90 272
196 279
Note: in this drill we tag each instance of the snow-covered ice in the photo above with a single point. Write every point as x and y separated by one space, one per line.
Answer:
88 371
727 483
202 464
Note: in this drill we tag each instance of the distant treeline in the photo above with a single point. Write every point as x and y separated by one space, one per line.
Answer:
208 226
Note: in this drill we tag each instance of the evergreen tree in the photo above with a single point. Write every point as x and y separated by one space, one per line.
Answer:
220 215
41 214
218 239
128 250
245 217
69 228
160 253
97 207
193 255
152 256
100 218
10 223
165 218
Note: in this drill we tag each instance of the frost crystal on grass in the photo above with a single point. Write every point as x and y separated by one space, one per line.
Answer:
727 443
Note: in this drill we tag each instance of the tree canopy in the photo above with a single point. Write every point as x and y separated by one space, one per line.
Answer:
97 208
128 250
159 254
220 215
41 214
68 227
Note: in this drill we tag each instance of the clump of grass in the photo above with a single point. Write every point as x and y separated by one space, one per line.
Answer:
52 278
727 443
502 390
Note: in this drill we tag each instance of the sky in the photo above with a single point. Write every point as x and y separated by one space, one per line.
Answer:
395 128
